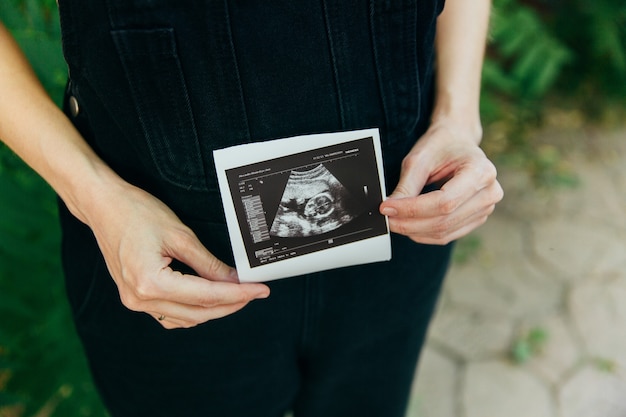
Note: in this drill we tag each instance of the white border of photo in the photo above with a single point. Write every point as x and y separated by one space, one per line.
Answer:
374 249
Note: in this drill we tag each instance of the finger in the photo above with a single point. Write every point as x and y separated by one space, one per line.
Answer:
462 187
413 177
436 228
184 316
431 237
197 291
457 234
187 248
172 286
433 204
168 322
481 206
420 207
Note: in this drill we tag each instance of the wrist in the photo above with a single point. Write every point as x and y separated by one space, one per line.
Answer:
464 123
459 108
91 193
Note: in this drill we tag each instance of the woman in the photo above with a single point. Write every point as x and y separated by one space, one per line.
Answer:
155 86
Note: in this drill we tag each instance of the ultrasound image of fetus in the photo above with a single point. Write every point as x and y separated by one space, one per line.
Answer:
314 202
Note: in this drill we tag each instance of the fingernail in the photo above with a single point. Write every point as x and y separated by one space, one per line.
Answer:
389 211
233 275
263 295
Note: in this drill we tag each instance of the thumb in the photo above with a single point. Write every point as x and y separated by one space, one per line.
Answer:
188 249
411 182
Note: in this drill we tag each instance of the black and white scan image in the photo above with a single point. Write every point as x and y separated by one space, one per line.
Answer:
308 202
314 202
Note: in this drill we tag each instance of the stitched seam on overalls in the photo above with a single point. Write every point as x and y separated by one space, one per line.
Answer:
333 59
237 72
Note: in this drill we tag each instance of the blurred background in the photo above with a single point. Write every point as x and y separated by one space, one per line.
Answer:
553 67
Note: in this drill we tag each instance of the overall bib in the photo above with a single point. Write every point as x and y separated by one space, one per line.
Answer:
155 86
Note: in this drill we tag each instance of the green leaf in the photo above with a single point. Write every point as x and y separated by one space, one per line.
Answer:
11 15
610 45
8 399
537 337
521 352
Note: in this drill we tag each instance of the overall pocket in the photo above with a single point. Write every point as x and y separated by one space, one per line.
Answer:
150 61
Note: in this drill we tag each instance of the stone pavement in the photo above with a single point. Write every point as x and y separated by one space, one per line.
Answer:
548 280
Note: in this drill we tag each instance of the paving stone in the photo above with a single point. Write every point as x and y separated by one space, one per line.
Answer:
595 198
522 199
572 247
560 353
597 209
435 388
612 261
498 388
598 309
612 161
554 259
597 170
609 140
471 335
592 392
618 179
501 280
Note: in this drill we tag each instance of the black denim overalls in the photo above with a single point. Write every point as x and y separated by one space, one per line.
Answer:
155 86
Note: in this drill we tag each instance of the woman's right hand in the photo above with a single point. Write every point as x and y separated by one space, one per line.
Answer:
139 237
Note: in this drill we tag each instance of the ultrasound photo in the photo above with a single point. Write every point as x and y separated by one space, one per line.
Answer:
308 201
314 202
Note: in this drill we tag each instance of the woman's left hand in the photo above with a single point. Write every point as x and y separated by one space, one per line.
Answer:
446 154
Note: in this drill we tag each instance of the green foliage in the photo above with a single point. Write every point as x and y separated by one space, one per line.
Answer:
546 51
526 58
466 249
41 357
596 33
36 28
530 344
605 365
573 48
42 367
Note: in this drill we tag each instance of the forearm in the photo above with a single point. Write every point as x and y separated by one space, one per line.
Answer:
460 44
35 129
